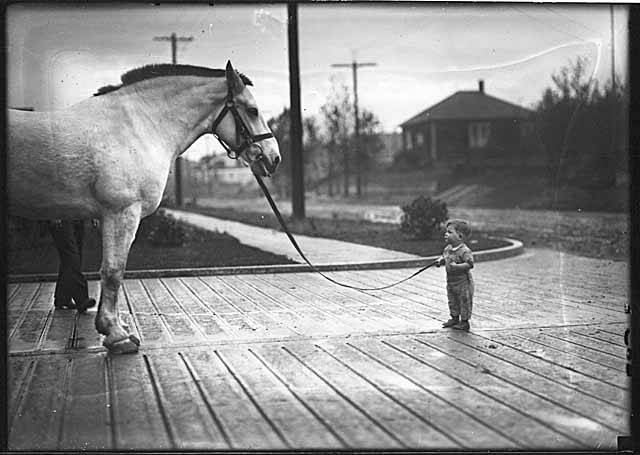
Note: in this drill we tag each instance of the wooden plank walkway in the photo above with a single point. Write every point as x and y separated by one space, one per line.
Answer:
291 361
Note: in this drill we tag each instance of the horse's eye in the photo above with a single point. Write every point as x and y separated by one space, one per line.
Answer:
253 111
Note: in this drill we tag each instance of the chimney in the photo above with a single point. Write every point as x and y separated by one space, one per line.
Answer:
481 85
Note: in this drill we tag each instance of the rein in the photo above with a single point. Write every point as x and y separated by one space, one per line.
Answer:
249 140
275 210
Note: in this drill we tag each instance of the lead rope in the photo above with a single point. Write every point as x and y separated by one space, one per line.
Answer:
275 210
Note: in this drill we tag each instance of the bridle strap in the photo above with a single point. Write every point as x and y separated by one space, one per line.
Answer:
242 130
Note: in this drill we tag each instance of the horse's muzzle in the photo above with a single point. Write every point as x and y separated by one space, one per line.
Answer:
263 166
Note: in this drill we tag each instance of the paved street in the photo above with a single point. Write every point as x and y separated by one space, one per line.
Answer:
290 360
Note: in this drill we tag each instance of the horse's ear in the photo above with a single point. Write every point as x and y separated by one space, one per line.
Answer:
233 78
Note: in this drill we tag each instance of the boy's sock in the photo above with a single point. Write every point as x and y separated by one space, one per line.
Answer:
451 322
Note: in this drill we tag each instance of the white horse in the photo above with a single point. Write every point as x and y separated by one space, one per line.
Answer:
108 157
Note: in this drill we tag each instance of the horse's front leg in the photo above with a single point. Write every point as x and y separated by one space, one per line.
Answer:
118 232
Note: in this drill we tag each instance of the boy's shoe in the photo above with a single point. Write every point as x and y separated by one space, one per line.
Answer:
450 323
462 325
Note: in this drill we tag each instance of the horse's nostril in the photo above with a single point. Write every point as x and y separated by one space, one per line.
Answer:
276 161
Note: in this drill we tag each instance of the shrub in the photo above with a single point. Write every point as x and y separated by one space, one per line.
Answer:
423 217
24 233
160 228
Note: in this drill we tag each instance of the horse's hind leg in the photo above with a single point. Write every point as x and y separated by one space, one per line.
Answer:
118 232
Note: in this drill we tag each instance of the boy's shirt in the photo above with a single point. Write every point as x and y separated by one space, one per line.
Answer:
458 255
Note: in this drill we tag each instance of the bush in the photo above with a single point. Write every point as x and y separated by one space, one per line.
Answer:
24 233
423 217
160 228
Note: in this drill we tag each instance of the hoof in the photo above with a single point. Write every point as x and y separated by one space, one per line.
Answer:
82 307
127 345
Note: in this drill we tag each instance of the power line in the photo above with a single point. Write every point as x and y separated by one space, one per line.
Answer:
354 68
570 19
174 59
549 25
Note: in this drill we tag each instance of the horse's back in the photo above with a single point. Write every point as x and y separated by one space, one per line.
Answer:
78 162
49 171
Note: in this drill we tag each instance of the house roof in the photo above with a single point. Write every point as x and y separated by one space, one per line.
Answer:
469 105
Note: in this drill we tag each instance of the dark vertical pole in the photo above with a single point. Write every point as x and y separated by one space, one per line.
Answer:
357 129
614 105
178 167
4 311
174 41
634 204
174 59
297 168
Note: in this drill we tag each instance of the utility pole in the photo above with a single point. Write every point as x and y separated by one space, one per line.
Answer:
354 68
178 166
297 166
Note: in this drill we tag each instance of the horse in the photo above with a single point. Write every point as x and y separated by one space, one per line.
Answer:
108 158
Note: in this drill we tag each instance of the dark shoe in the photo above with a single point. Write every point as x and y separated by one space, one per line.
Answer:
85 305
450 323
462 325
64 305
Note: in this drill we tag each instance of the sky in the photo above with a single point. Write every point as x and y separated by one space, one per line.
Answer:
59 55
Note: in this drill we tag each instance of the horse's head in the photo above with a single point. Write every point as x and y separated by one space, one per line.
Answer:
241 129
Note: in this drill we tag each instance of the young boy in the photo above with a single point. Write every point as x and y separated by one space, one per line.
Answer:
458 261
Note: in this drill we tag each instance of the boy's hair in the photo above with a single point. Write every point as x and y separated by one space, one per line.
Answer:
462 226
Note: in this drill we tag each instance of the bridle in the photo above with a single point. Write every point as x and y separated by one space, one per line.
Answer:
242 130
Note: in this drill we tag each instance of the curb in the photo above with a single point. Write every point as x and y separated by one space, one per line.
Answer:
514 249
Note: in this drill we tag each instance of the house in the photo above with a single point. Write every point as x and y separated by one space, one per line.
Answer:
472 129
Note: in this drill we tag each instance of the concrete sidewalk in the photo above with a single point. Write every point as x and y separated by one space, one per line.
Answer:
320 251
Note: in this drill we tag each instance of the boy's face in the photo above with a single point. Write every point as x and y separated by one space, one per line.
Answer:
452 236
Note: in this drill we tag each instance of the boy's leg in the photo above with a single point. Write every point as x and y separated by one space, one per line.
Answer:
454 307
465 298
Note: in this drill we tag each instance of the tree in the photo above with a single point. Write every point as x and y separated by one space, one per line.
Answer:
313 151
337 114
575 122
281 128
370 142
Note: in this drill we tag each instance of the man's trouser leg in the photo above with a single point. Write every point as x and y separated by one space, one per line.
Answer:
71 283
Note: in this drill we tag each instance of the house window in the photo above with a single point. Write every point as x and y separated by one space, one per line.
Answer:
419 139
409 139
479 134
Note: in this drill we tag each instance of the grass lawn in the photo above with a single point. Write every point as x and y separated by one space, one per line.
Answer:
381 235
34 252
37 253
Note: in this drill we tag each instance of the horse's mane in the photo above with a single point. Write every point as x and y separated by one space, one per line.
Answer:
165 69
